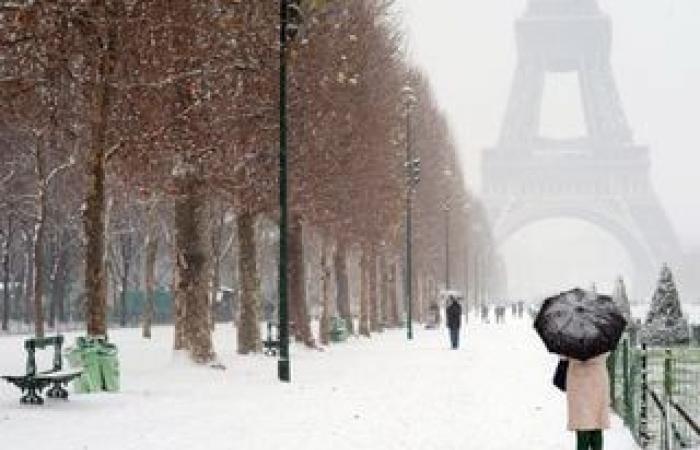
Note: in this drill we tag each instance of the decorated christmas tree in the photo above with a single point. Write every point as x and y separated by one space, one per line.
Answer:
665 324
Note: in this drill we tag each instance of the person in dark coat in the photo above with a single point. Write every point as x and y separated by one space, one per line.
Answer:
454 321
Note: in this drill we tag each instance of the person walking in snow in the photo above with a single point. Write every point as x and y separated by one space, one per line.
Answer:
484 313
587 399
454 321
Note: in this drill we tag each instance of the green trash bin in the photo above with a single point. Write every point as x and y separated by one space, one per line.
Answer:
98 360
338 330
109 366
84 356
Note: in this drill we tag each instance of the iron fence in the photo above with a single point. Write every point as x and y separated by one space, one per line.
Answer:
656 391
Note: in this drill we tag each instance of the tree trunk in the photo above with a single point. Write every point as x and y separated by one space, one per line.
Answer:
6 262
28 279
191 263
94 251
39 231
364 293
38 241
179 307
216 249
393 298
59 289
150 271
342 294
215 285
384 292
94 215
421 297
55 267
324 323
248 322
126 267
297 283
373 297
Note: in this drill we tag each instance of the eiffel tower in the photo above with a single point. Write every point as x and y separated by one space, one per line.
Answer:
602 177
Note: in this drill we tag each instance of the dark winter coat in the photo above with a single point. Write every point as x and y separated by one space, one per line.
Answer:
454 315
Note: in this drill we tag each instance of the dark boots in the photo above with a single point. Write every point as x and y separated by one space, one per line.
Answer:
589 440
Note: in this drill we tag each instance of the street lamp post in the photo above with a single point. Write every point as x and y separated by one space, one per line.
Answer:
412 178
290 17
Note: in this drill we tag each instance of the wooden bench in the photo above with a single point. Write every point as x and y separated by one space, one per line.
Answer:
271 345
33 383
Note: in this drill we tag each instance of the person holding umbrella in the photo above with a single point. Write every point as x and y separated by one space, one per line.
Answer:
454 320
583 327
587 400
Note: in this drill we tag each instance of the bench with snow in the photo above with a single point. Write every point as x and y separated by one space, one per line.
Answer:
271 345
33 383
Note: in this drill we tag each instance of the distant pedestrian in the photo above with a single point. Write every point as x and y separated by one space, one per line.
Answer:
500 313
454 321
587 398
484 313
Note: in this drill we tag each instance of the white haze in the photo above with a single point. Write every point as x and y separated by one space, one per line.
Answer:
468 49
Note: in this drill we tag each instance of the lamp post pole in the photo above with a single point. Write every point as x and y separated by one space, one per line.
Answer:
412 178
283 364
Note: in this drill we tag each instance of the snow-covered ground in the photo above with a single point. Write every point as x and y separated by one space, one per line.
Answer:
385 393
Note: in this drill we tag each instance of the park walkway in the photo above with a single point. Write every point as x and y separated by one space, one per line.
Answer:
494 393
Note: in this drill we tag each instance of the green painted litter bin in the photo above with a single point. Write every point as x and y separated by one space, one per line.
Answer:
98 360
109 366
338 330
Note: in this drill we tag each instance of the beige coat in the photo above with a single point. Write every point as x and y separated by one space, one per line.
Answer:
588 394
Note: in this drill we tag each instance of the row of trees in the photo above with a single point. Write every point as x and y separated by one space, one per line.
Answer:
138 145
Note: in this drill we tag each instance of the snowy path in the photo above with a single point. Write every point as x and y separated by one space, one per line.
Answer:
384 393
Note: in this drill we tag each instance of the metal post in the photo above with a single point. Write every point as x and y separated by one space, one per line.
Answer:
626 394
668 431
643 410
283 364
612 375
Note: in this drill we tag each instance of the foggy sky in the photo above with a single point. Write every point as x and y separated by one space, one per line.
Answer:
468 49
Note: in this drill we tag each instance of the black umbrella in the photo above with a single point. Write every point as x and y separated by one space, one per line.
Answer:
580 324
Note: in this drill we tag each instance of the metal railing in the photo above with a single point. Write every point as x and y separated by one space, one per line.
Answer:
656 391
